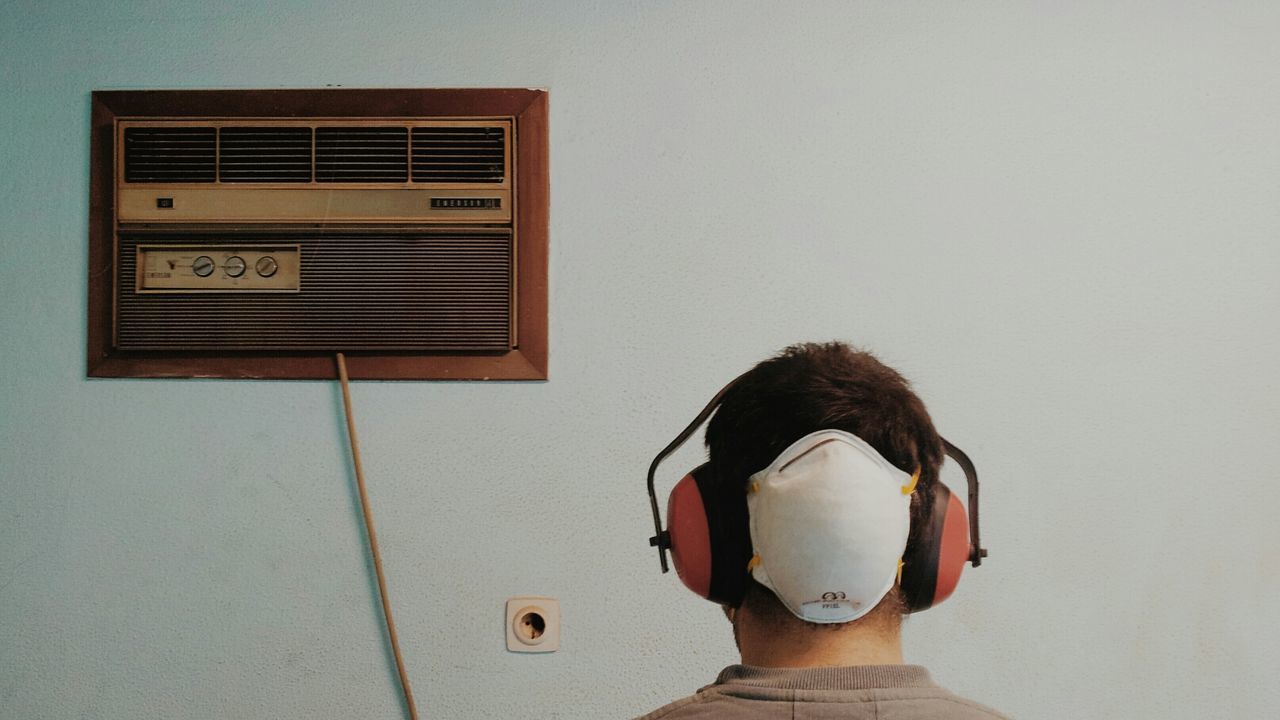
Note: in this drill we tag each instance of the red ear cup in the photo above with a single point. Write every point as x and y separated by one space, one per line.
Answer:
710 536
690 536
934 560
954 552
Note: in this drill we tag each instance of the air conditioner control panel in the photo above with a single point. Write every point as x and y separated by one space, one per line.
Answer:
218 268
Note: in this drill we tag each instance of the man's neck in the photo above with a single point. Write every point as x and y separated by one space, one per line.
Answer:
799 646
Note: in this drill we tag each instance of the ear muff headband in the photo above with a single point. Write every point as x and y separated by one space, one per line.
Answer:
976 551
661 538
931 567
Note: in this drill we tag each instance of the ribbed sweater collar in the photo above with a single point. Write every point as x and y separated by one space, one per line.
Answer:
859 677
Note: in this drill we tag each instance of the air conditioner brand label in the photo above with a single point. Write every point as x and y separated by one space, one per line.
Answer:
491 203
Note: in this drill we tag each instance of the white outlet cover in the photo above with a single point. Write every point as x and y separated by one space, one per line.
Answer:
519 610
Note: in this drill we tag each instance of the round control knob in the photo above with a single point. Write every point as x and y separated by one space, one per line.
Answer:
266 266
202 266
234 266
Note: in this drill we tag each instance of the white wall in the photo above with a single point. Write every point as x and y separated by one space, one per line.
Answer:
1059 219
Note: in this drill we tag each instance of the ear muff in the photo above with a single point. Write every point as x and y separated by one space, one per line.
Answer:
709 538
936 557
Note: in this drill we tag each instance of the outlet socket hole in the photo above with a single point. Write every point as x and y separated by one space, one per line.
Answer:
532 625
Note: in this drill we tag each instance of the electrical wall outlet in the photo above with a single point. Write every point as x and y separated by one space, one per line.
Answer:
533 624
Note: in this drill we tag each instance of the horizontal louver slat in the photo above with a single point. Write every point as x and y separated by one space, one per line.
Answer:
264 154
362 154
170 154
458 154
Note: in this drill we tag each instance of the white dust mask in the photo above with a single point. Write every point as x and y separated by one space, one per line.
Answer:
829 522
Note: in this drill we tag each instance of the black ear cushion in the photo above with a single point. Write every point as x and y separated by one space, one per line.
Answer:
729 532
920 562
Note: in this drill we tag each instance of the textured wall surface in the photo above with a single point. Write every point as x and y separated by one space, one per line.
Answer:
1058 219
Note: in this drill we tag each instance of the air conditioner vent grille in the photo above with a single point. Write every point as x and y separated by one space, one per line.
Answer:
362 154
170 154
291 152
265 154
458 154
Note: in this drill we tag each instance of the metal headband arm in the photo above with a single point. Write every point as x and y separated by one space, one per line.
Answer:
661 538
976 551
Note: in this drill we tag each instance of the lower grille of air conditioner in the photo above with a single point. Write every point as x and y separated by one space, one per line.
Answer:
431 291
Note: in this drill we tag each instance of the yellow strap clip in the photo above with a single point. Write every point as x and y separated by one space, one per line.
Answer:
915 479
751 565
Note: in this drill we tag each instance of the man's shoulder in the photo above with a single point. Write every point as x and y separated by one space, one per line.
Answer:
668 711
933 706
880 693
940 705
708 704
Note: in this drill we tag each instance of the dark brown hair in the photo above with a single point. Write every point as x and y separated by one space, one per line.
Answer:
817 386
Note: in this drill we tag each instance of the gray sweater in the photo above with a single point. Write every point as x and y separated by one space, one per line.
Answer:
879 692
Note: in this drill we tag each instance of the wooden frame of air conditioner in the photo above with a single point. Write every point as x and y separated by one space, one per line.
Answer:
526 361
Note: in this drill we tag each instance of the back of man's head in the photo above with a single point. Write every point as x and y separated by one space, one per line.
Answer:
811 387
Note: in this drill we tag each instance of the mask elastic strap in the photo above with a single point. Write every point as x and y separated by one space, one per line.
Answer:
915 480
907 490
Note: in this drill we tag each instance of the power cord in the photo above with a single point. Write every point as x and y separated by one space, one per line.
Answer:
373 538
